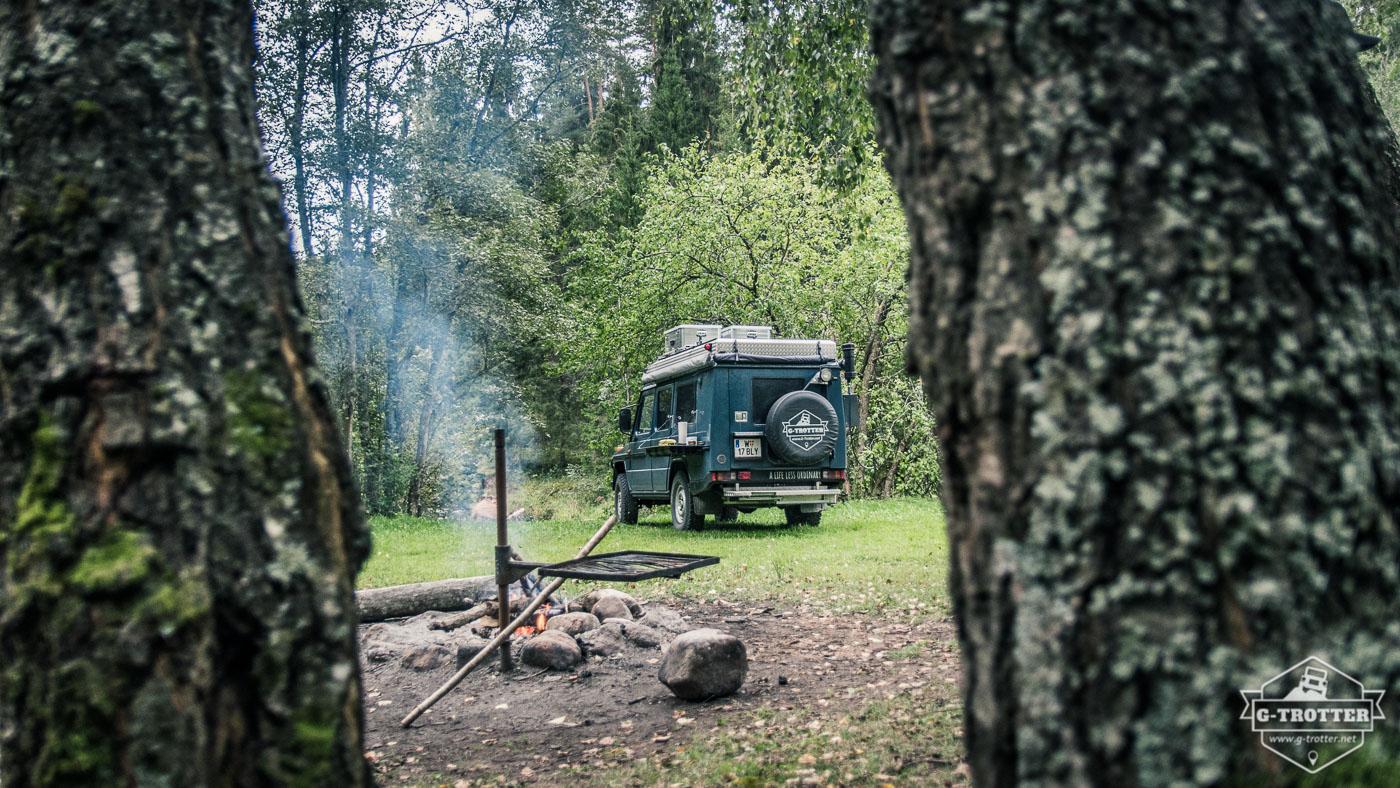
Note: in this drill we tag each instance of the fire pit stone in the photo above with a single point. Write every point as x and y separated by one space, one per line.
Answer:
468 648
663 618
551 649
589 600
639 634
573 623
604 641
428 657
704 664
610 606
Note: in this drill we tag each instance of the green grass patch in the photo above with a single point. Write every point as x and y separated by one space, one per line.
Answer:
874 556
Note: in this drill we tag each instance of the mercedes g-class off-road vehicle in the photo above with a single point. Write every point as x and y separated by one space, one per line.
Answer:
731 419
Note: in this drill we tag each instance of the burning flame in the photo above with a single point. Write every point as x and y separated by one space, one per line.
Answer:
541 619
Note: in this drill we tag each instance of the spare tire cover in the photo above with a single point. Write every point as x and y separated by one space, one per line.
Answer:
801 428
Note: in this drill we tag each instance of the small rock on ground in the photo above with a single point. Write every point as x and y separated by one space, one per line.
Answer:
704 664
429 657
469 648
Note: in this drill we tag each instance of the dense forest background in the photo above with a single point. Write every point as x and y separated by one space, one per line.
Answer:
498 206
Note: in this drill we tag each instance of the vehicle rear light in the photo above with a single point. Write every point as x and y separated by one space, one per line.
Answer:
721 476
745 476
839 473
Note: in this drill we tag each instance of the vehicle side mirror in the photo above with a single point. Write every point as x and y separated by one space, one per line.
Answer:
624 419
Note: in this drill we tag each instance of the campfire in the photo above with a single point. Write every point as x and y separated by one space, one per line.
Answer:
541 619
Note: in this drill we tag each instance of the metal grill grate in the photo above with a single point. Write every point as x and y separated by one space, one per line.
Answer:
628 566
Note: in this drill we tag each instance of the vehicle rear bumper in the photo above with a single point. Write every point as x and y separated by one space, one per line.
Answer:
780 495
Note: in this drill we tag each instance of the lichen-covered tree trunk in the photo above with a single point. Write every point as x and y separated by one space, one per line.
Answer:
178 528
1156 303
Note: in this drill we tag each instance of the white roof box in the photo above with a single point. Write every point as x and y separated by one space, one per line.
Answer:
746 332
689 335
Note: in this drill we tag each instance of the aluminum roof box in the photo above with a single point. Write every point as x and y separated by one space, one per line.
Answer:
746 332
689 335
806 352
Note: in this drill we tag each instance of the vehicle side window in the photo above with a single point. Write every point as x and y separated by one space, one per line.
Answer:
685 403
646 414
663 409
766 391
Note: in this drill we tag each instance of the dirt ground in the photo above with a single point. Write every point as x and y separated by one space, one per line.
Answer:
533 726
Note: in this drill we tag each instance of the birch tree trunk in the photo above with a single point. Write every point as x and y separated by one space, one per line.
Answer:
178 528
1155 300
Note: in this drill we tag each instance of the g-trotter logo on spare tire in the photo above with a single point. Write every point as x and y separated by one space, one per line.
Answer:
801 428
805 430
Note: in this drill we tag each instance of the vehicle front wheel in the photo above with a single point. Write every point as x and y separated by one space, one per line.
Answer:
684 516
795 516
728 514
624 505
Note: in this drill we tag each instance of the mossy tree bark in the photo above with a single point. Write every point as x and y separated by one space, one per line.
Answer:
178 528
1156 303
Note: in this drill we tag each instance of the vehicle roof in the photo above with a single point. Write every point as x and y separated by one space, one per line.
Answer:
759 352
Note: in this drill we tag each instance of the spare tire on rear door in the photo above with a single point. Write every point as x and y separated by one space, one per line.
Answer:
801 428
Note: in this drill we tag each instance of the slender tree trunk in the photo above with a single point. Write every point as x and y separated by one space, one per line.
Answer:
588 95
300 179
178 529
1154 299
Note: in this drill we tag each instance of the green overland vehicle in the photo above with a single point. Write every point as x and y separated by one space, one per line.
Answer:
731 419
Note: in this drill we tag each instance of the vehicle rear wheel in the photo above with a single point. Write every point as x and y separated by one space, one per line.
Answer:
684 516
728 514
624 505
795 516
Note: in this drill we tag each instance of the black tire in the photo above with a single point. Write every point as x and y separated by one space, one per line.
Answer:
624 505
727 514
795 516
684 516
801 428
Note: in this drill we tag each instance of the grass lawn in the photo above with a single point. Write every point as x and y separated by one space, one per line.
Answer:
869 556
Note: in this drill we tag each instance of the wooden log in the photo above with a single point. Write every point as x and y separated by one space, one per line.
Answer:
378 604
462 619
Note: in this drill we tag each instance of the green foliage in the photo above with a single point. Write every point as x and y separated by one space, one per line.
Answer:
1382 63
758 238
800 77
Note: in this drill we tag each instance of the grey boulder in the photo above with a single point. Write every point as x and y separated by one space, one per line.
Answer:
572 623
604 641
704 664
663 618
611 607
638 634
590 599
551 649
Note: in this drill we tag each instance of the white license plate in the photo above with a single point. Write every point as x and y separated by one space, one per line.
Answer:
748 448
